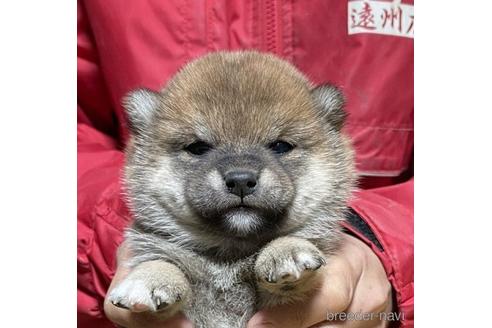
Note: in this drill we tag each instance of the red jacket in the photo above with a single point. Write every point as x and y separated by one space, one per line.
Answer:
130 44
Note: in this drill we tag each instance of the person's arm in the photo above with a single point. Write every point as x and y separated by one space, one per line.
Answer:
126 318
387 215
100 221
101 216
372 275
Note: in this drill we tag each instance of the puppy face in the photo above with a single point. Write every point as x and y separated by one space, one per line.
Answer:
237 149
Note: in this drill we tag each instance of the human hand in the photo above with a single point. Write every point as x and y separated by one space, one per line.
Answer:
354 282
126 318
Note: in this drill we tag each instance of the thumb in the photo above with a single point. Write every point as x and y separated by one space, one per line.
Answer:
333 296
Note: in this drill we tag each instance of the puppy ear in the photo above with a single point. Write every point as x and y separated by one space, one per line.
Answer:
331 103
140 106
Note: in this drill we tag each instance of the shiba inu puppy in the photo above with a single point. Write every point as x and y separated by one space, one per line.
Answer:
238 176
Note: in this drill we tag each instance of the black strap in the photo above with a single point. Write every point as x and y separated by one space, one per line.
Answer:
361 226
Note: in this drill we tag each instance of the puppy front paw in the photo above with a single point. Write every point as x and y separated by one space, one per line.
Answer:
155 286
286 269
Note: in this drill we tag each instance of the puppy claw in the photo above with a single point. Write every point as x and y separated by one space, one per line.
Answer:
118 304
270 279
154 286
160 305
293 268
139 296
287 268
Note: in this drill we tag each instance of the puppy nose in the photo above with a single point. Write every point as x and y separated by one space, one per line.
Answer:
241 183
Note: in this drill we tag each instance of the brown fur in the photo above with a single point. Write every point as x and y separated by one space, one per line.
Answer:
265 252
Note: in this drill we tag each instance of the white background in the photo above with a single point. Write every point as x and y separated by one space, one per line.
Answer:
38 164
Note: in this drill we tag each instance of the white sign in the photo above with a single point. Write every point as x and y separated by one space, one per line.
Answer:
380 17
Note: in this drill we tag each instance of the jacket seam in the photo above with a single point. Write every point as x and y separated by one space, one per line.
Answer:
184 38
293 35
287 34
209 19
381 127
393 261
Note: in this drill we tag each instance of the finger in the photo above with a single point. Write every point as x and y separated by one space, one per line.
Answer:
353 319
128 319
350 324
372 298
372 302
373 293
334 295
339 285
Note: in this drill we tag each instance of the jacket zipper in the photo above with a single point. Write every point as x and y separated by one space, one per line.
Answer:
268 11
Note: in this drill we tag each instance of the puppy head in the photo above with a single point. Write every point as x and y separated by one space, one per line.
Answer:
237 149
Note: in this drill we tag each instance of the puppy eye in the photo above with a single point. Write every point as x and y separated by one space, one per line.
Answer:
280 147
198 148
